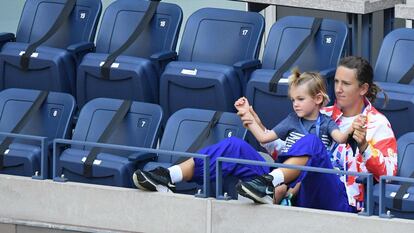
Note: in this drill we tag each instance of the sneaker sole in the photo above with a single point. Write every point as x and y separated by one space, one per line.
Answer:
242 193
262 200
142 182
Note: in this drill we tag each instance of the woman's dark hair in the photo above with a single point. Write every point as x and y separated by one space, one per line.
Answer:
365 74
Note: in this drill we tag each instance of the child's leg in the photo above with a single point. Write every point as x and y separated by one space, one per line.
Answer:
193 169
317 190
231 148
283 191
279 193
261 189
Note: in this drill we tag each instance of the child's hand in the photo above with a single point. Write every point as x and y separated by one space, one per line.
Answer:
360 123
360 131
242 105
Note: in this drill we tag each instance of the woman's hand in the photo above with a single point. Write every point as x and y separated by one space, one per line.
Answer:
246 117
360 132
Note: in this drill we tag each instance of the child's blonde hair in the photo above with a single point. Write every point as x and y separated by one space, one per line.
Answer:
313 81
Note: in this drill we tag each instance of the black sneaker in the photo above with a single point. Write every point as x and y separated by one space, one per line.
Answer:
240 190
260 189
155 180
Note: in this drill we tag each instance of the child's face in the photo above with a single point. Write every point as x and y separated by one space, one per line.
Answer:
305 105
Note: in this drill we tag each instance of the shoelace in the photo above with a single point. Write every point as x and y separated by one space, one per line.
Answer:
163 172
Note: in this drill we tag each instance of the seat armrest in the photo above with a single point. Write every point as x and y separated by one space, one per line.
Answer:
81 47
6 37
79 50
244 70
141 156
161 59
247 64
162 56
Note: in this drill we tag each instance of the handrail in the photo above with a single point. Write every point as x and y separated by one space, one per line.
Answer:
59 143
368 196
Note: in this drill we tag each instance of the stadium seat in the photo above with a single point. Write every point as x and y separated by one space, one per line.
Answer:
182 129
138 128
135 73
405 169
218 50
394 60
28 152
53 65
321 54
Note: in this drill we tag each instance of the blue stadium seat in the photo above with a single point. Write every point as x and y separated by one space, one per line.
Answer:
405 169
218 50
182 129
139 128
322 54
139 67
26 155
53 66
394 60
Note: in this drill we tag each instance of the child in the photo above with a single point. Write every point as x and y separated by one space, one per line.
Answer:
308 94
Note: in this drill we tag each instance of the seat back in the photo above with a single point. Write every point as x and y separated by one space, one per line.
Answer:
405 155
396 56
184 126
221 36
321 54
52 120
394 60
121 18
39 15
139 127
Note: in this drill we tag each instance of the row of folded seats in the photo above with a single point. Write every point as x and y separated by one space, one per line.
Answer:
217 62
115 135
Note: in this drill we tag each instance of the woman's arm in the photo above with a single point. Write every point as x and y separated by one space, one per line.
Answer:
380 151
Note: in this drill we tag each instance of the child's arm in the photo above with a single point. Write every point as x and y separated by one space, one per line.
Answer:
242 105
340 137
260 134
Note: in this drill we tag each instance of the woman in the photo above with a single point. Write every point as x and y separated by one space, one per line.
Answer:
376 150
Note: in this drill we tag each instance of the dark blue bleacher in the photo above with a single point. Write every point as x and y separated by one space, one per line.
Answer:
139 67
139 128
322 55
53 66
183 127
218 50
395 58
405 169
26 155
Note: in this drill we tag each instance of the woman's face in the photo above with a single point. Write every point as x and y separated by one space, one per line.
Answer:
348 91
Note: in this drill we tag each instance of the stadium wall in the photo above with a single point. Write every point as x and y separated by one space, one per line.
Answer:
45 206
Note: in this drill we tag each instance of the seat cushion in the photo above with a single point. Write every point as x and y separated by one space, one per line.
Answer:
50 68
131 78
